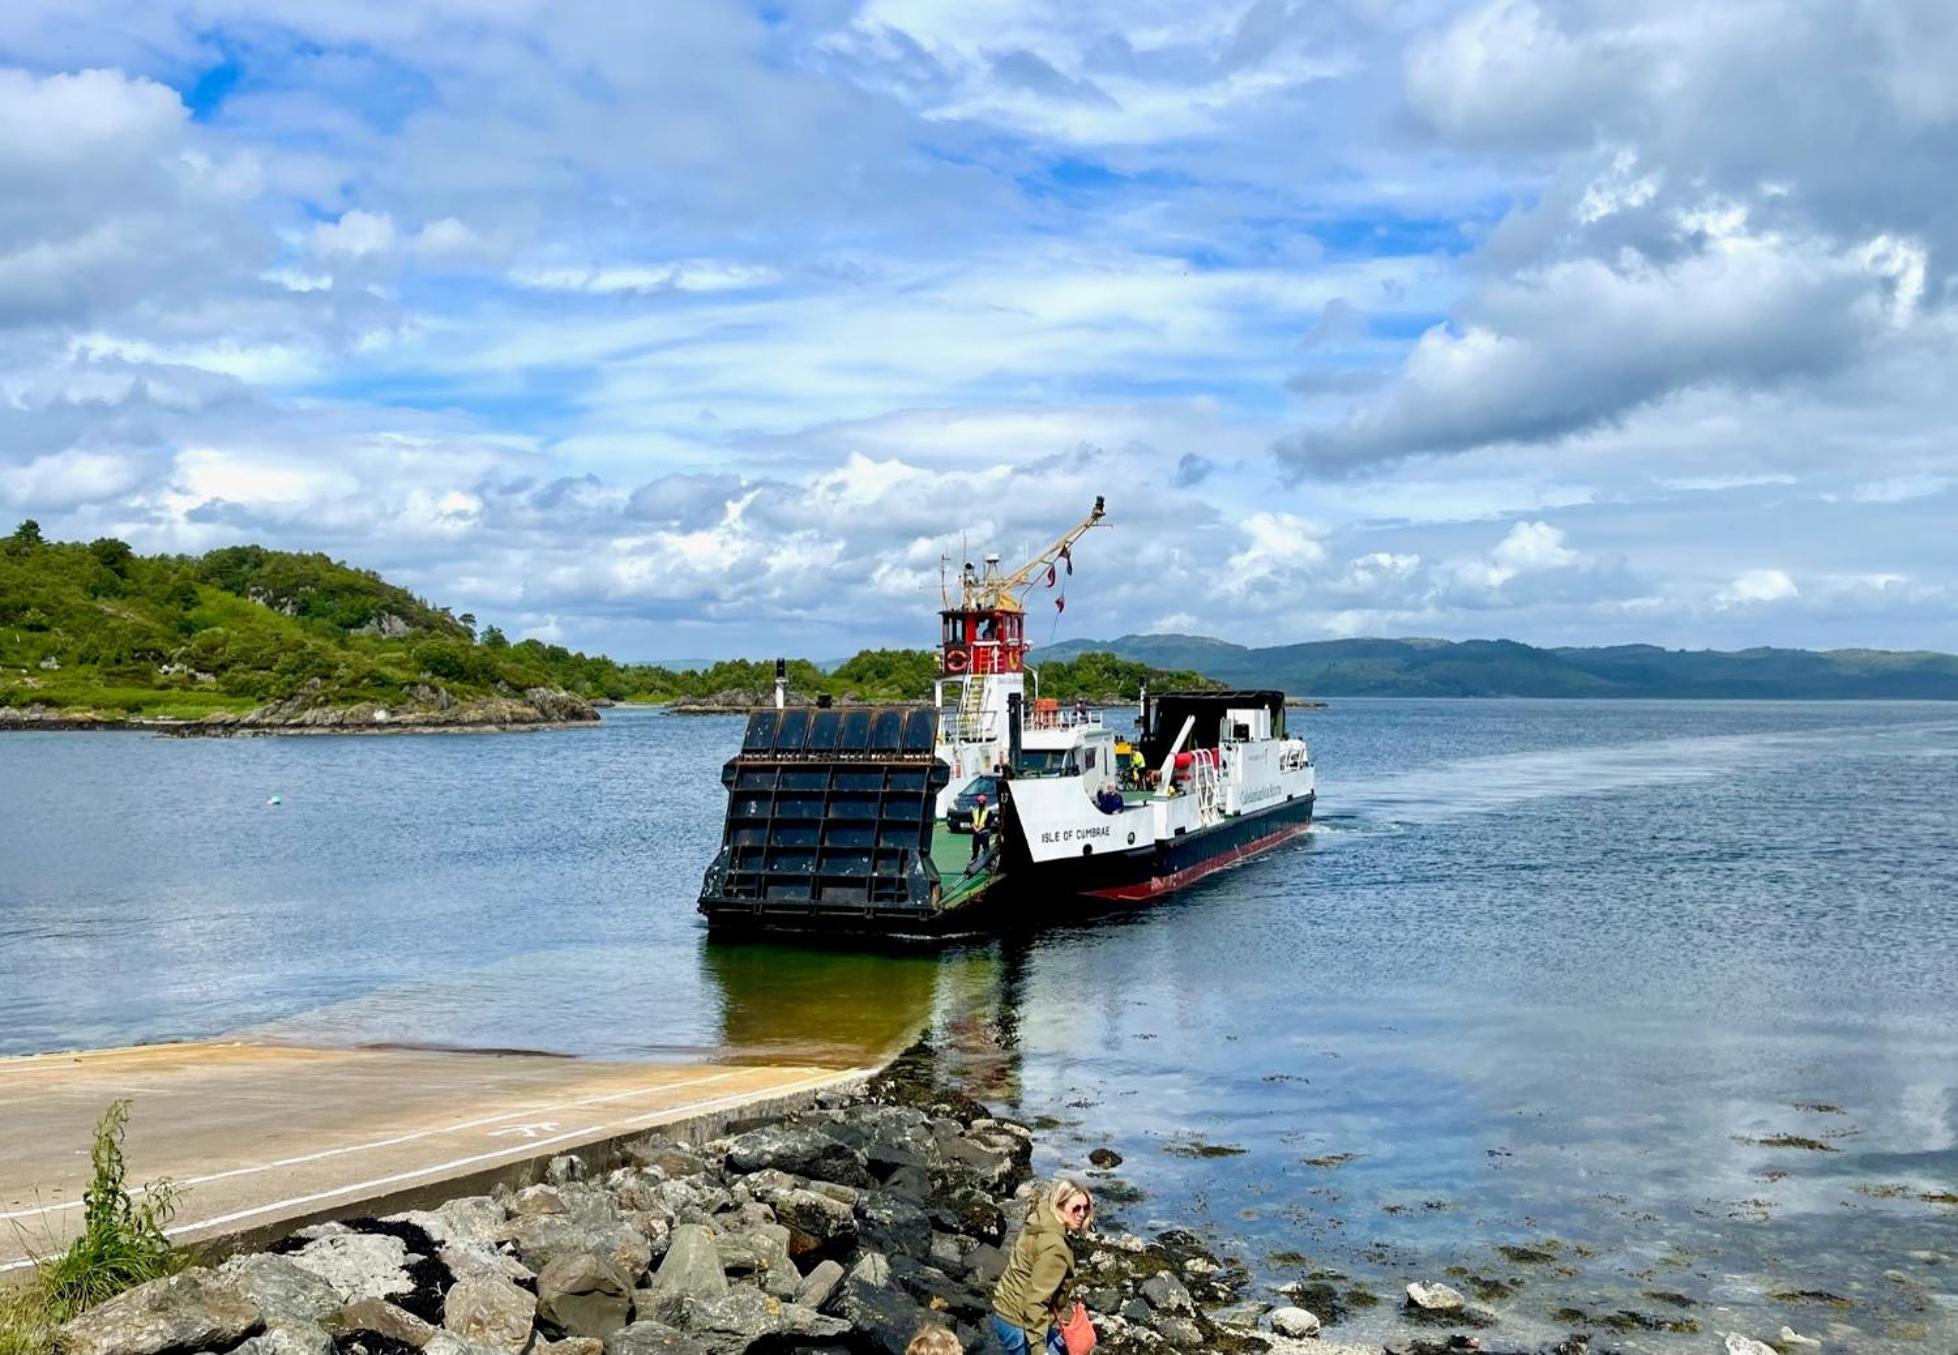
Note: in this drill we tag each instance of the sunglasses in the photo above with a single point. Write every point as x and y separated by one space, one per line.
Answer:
1077 1207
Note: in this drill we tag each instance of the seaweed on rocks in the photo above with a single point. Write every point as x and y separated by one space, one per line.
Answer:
431 1278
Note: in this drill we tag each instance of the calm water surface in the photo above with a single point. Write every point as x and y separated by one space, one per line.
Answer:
1552 975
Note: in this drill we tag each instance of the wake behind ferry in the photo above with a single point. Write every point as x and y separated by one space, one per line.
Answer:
842 820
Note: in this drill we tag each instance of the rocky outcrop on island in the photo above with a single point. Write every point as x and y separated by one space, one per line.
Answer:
424 709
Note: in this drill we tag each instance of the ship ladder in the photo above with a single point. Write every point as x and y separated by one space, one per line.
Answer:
1208 779
972 709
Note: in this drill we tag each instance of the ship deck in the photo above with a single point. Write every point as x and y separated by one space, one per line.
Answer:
952 853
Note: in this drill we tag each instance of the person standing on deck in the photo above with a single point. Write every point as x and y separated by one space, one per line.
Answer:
982 827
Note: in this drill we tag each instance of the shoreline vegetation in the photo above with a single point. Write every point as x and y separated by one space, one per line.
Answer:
245 640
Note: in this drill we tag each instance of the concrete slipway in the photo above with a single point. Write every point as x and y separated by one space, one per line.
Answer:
266 1138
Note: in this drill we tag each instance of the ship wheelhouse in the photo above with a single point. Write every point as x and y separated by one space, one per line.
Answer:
982 640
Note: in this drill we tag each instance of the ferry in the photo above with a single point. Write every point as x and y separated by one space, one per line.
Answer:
845 820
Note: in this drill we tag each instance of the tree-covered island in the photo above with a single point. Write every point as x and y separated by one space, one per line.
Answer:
246 637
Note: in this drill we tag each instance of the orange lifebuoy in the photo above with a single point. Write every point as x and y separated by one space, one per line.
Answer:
1012 659
956 660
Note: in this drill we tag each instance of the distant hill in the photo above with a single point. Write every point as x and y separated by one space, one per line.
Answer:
1418 667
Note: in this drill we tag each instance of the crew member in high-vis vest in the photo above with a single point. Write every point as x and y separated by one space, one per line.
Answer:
982 828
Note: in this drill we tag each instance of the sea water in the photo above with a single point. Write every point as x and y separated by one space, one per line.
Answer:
1662 997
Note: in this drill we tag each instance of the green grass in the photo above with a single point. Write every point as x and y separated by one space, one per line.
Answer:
122 1245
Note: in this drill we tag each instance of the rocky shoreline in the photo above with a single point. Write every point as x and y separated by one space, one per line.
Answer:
841 1228
430 711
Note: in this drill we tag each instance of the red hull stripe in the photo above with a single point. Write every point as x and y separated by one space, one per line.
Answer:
1163 884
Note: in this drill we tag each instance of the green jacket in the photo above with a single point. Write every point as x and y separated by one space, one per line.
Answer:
1034 1286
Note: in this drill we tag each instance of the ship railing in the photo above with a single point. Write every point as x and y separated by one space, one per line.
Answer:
1051 718
963 726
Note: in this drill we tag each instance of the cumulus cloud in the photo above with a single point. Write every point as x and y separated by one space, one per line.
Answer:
1581 343
1754 586
1711 216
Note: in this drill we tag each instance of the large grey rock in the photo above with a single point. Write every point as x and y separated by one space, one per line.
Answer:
1181 1332
893 1225
287 1294
195 1310
938 1291
674 1159
534 1201
872 1268
1435 1298
448 1343
691 1270
470 1218
1297 1323
761 1253
984 1264
490 1311
994 1169
542 1238
582 1294
881 1315
744 1317
637 1189
1167 1294
358 1265
819 1225
969 1210
819 1285
301 1339
799 1150
570 1345
652 1338
381 1317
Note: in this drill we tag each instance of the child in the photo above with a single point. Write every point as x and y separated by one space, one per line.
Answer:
934 1341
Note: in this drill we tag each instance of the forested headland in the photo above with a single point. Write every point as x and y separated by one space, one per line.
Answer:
96 630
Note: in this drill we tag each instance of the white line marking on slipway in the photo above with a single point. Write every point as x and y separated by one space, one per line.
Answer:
391 1142
471 1160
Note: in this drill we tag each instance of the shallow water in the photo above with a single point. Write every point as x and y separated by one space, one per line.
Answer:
1550 972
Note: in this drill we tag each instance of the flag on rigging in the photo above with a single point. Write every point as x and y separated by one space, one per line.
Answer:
1060 603
1050 576
1067 558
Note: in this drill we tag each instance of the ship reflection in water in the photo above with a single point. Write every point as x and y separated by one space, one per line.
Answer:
796 1004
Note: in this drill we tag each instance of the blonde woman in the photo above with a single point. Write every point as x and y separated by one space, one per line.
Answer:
1032 1294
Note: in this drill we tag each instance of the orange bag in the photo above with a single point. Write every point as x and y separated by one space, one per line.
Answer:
1078 1332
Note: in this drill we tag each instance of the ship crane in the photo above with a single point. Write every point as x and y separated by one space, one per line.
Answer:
985 631
995 592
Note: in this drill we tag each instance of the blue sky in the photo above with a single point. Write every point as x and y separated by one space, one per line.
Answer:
710 328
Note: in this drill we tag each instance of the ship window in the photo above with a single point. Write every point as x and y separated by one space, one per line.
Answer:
1090 759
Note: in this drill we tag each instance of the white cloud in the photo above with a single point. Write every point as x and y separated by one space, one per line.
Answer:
1280 548
356 235
1578 344
1757 586
63 480
699 275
